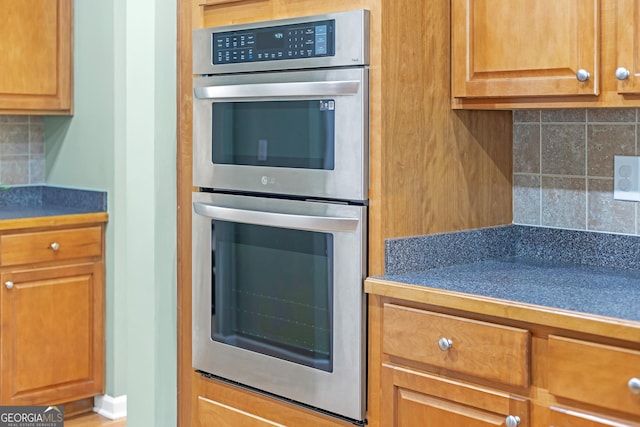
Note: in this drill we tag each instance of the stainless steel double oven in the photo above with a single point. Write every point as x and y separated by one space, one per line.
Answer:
280 119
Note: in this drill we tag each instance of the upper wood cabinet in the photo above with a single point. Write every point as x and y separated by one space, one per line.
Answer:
36 57
547 53
628 38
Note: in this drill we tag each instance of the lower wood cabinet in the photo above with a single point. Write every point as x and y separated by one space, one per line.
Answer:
410 398
474 362
219 404
52 314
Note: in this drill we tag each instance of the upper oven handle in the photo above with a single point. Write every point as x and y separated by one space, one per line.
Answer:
273 219
271 90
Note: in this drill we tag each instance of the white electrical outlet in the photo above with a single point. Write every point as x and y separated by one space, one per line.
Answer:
626 178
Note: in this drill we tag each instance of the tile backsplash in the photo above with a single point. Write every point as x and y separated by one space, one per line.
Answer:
21 150
563 168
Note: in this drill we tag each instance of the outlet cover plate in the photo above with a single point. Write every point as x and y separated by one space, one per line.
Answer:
626 178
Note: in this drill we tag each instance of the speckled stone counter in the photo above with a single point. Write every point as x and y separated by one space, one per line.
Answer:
44 201
595 273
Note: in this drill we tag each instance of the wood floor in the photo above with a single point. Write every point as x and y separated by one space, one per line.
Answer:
93 420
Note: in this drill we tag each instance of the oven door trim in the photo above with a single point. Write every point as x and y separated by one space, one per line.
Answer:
341 391
349 180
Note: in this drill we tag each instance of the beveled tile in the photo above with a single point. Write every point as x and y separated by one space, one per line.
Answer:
526 199
17 118
526 116
14 170
618 115
564 115
606 214
563 148
526 148
563 202
13 133
606 141
37 170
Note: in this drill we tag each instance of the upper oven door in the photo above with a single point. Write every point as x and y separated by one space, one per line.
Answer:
300 133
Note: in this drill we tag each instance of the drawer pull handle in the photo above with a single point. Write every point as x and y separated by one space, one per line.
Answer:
512 421
634 385
54 246
445 344
622 73
8 284
583 75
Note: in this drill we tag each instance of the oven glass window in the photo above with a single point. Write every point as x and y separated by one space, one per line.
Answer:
273 291
290 134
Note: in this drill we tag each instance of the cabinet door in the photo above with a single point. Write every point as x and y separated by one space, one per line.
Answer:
522 48
628 39
52 339
411 398
563 417
35 56
224 405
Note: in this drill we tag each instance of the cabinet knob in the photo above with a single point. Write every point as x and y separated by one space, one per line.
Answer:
9 285
583 75
445 344
54 246
634 385
512 421
622 73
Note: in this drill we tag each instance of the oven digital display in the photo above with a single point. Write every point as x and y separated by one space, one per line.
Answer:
294 41
270 40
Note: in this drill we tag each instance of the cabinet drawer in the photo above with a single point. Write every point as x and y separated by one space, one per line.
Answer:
594 373
563 417
494 352
29 248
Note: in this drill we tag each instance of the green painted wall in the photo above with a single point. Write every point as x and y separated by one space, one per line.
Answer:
122 139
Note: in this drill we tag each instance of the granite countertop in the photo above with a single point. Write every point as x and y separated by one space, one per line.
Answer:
595 273
45 201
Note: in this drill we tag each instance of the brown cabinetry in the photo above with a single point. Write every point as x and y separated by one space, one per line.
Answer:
545 54
434 368
575 366
410 397
52 312
220 404
515 364
36 57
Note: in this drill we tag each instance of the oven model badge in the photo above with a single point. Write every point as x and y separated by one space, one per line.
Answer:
327 105
267 180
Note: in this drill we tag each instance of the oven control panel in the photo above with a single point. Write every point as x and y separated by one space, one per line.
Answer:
293 41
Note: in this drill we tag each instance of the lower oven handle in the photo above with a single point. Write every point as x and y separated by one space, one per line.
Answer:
273 219
270 90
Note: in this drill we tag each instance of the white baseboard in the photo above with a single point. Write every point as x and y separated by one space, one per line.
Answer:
110 407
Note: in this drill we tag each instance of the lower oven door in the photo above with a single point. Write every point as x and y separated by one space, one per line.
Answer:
278 301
